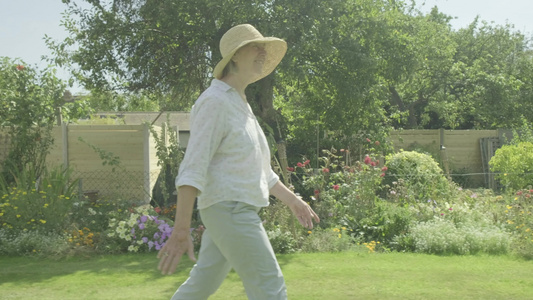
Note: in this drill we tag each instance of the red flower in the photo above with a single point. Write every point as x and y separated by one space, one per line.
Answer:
290 169
300 165
519 193
376 143
450 208
373 164
384 168
306 162
20 67
382 175
325 170
317 192
336 187
157 210
368 140
368 160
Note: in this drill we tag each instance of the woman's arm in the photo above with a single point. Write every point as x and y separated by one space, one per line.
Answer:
299 208
180 240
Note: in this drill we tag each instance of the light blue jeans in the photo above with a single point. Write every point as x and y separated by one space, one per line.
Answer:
234 238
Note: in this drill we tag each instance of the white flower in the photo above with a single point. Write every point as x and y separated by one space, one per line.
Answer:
92 211
133 248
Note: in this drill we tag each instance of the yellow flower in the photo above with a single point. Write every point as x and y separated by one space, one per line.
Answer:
33 220
1 214
18 216
45 205
49 185
309 232
67 198
340 235
343 228
42 221
509 207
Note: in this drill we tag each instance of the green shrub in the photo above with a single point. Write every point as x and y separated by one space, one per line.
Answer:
33 243
443 236
418 174
43 205
328 240
282 242
514 165
519 220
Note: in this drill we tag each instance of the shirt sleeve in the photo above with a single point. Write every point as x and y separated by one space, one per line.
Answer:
208 123
273 178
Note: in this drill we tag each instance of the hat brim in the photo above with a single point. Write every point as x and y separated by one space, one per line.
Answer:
274 47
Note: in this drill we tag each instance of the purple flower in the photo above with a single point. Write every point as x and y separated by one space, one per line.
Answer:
157 246
141 226
150 245
156 235
144 239
144 219
133 231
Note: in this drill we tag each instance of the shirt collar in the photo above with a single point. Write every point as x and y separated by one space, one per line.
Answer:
221 84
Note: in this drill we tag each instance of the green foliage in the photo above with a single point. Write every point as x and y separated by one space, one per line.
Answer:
519 220
328 240
169 155
443 236
514 165
35 243
413 177
44 205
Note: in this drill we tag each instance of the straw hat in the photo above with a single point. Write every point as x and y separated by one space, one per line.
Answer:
240 36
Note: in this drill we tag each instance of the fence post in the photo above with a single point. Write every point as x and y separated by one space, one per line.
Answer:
64 131
146 160
444 155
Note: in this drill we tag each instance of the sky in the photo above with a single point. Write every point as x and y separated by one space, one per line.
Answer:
24 23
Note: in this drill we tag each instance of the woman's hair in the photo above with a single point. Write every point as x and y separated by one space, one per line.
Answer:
230 67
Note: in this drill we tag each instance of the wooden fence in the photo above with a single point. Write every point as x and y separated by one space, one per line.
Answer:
80 147
463 154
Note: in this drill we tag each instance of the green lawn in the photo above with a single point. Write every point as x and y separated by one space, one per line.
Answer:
334 276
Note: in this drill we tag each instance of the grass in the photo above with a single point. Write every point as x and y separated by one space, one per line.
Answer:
337 276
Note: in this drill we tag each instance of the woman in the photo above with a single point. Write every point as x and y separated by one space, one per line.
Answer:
227 166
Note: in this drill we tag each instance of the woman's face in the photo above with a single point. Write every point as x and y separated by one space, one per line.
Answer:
250 59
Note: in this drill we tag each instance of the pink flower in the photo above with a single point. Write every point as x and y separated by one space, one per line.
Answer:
336 187
20 67
376 143
368 140
290 169
384 168
368 160
325 170
382 175
519 193
306 162
373 164
342 150
450 208
300 165
157 210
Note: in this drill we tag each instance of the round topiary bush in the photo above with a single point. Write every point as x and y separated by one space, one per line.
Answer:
514 163
415 177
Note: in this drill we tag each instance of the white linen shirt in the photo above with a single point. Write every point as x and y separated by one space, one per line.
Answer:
227 157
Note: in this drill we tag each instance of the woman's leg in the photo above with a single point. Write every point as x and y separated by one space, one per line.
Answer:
238 233
206 275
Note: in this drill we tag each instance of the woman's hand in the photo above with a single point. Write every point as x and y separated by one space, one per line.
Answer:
303 212
179 243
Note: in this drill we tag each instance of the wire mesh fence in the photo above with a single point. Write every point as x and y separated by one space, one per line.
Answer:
131 186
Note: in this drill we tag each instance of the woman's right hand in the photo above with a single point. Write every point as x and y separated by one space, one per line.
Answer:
179 243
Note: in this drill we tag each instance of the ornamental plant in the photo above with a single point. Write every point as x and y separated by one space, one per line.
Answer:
417 176
139 229
43 205
519 221
514 165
